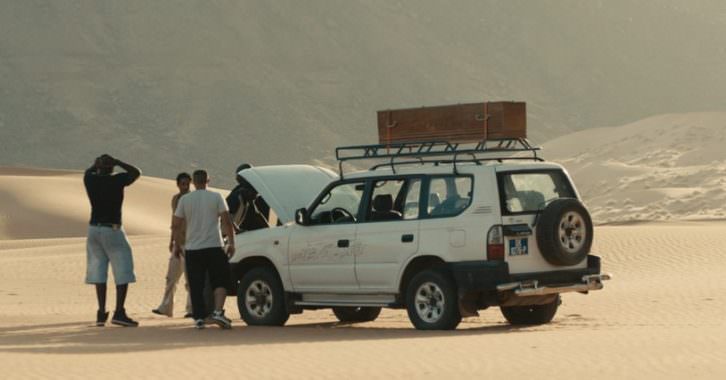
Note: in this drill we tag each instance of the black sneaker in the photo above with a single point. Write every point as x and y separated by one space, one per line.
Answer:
221 321
199 324
101 318
120 318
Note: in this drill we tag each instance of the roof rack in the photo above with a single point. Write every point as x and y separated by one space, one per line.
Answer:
419 150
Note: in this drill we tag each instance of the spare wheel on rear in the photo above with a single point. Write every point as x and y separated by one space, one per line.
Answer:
564 232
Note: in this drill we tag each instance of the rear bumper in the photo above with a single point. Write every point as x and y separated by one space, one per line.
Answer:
486 276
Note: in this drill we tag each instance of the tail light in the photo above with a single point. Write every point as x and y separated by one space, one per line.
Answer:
495 244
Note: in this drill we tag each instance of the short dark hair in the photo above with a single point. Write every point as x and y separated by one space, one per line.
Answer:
183 175
243 167
200 176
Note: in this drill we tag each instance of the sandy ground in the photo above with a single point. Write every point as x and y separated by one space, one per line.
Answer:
661 317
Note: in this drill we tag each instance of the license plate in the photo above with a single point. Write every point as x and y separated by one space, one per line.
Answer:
518 247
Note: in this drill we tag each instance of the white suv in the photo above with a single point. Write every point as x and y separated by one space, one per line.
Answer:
438 235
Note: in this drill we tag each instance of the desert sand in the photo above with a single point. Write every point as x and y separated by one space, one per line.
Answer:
661 317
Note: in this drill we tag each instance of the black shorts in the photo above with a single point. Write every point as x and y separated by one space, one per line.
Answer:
210 261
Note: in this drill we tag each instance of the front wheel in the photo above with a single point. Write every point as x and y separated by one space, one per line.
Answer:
261 298
356 314
531 314
431 301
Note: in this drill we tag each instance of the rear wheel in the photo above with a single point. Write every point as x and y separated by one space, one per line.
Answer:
356 314
532 314
261 298
431 301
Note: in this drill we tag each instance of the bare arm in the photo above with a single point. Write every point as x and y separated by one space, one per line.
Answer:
174 201
92 169
134 172
178 234
228 230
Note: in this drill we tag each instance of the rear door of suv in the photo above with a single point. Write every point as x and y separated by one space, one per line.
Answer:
523 195
389 231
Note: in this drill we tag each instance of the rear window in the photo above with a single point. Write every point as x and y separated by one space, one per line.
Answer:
525 192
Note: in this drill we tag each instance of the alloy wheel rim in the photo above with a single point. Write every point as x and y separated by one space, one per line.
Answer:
572 232
429 302
259 299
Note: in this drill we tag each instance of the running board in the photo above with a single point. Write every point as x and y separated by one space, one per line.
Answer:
532 288
319 299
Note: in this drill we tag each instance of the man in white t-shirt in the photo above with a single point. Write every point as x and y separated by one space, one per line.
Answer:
200 212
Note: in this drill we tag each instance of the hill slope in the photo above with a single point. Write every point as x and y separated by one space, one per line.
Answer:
666 167
172 85
38 203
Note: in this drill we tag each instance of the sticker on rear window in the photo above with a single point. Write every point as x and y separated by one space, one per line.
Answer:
518 247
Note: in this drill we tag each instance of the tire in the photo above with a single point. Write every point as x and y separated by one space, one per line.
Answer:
532 314
356 314
564 232
432 301
261 298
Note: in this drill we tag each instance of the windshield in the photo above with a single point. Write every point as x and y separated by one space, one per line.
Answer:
531 191
339 205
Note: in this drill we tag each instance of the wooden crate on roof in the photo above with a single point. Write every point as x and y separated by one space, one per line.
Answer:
454 123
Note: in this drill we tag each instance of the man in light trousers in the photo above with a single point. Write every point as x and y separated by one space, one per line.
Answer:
175 269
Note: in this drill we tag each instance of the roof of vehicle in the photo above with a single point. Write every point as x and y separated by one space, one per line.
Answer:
447 168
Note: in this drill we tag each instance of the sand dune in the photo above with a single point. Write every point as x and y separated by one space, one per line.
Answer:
668 167
48 204
42 203
661 317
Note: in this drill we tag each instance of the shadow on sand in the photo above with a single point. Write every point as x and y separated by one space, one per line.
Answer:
80 338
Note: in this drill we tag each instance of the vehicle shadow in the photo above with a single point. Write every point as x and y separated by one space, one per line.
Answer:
81 338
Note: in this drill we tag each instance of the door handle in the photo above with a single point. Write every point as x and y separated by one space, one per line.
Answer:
407 238
344 243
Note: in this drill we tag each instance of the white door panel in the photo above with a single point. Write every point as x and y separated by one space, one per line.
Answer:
320 260
384 247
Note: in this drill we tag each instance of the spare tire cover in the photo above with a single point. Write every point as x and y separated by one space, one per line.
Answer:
564 232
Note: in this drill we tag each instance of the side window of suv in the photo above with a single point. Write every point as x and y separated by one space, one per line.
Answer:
449 195
339 205
394 199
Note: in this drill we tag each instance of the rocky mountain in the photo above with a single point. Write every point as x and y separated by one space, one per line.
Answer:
173 85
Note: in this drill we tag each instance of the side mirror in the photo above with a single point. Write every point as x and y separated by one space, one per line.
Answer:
302 217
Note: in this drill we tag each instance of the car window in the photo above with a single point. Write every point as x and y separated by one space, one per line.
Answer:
531 191
394 199
449 195
339 205
413 200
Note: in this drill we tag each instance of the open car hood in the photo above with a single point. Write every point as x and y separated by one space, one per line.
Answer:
287 188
